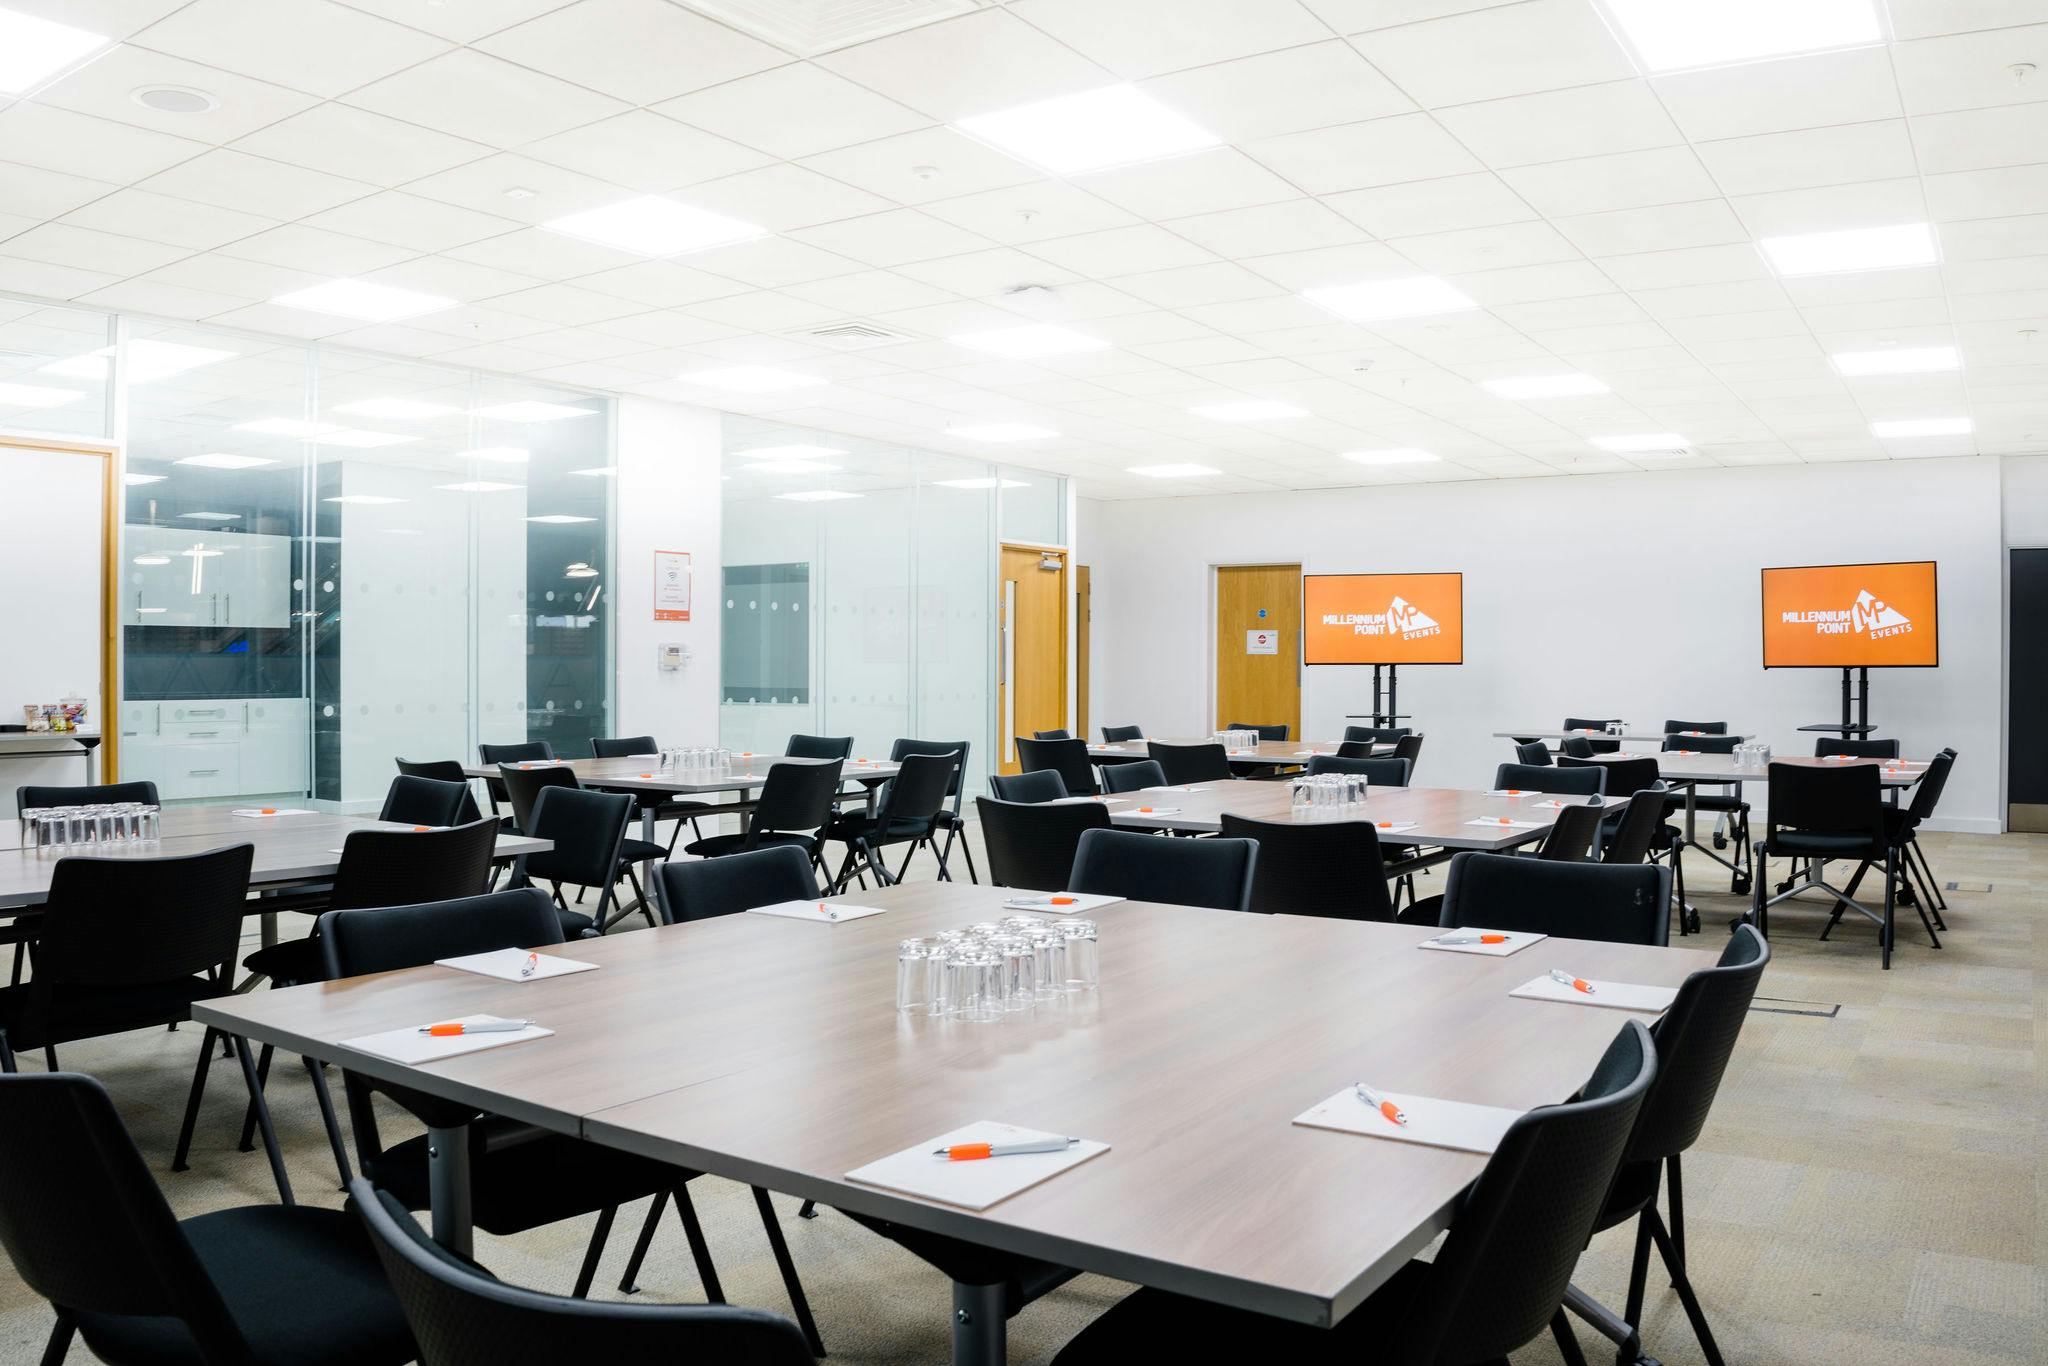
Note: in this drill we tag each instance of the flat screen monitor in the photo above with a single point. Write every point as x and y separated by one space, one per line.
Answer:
1852 616
1383 618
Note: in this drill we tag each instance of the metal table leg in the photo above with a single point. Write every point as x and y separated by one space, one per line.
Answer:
647 824
980 1329
448 1187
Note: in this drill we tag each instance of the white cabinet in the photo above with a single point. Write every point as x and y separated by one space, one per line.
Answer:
216 747
179 577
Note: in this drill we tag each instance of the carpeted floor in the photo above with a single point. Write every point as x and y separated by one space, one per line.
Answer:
1869 1187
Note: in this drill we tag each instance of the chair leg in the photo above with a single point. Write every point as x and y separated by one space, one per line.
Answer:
317 1070
270 1147
1567 1341
646 906
59 1344
1638 1273
807 1210
248 1143
50 1057
7 1063
915 845
1683 1285
595 1252
790 1282
1674 1200
628 1283
1891 897
20 953
178 1163
699 1249
967 852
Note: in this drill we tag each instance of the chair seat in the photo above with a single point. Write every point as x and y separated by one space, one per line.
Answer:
633 850
303 1284
83 1012
294 960
522 1185
574 923
1156 1325
847 829
715 846
1635 1186
1817 844
23 929
1713 801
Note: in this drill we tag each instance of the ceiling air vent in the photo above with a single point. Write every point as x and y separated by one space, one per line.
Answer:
810 27
853 334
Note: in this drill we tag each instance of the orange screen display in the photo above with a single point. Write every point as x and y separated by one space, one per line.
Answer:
1853 616
1384 618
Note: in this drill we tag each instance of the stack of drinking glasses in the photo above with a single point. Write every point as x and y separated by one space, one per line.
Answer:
1752 754
996 968
1617 727
81 828
1329 796
1234 740
697 765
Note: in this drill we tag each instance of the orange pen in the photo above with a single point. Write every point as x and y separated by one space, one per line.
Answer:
974 1152
1394 1113
449 1031
268 811
1575 983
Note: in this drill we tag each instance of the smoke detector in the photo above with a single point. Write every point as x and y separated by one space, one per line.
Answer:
174 99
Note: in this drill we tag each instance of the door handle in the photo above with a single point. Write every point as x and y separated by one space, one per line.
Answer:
201 734
201 772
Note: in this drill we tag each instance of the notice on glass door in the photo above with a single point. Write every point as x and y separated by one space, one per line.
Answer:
671 585
1262 642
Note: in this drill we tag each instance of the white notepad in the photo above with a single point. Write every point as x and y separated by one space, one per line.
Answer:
1504 823
1516 942
972 1185
1072 801
274 811
817 912
1515 792
1394 827
408 1045
1184 788
1559 804
1313 753
507 963
539 763
1613 995
1432 1122
1153 811
1075 903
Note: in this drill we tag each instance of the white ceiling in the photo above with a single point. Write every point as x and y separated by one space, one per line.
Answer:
1605 222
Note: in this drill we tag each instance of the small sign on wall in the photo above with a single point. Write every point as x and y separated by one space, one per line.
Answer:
1262 642
671 585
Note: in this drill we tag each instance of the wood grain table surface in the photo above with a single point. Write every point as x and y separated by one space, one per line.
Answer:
1442 814
643 773
1679 766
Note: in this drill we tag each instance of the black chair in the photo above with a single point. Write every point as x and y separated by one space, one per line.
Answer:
1041 785
665 808
1134 776
1724 801
1817 814
35 796
1216 872
444 771
1901 827
1376 735
1619 904
1052 735
1498 1280
1694 1039
588 830
1274 733
819 747
1356 749
1031 845
950 818
526 752
1067 757
704 889
1387 772
130 942
89 1231
1116 735
796 803
1333 869
1590 781
520 1177
424 801
1202 763
908 813
1409 747
1633 837
1579 747
1856 749
1535 754
1584 723
464 1316
1693 729
1571 835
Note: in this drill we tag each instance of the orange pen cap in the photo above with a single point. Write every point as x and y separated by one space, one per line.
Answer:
967 1152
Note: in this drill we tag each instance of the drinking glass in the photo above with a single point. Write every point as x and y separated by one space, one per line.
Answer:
1019 971
1083 959
152 823
913 977
1049 948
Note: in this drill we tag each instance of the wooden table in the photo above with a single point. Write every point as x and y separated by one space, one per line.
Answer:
1266 754
768 1051
1653 737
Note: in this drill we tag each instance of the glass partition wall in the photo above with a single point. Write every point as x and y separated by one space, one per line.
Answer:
859 588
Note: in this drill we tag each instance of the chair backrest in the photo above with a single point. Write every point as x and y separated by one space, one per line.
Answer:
1031 844
586 828
1376 734
85 1224
1625 777
1927 795
1201 763
1132 776
463 1316
523 787
1695 1039
819 747
1571 835
1704 744
524 752
35 796
1114 735
1061 734
1703 727
1067 757
1215 872
919 790
1583 723
444 771
796 799
1835 801
1332 869
703 889
1565 782
1265 732
1536 754
1409 747
1620 905
1579 747
1387 772
1040 785
1519 1229
406 867
1636 832
385 939
619 746
1860 749
423 801
903 749
1356 749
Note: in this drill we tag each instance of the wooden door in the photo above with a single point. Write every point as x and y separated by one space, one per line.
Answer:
1258 645
1084 613
1031 654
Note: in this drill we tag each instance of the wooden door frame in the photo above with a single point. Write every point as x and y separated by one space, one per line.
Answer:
1215 652
1066 628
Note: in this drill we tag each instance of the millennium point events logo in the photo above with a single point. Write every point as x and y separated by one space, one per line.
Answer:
1402 618
1869 616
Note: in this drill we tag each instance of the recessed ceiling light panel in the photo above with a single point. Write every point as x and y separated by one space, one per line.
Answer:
1671 36
559 519
532 410
1413 296
653 226
394 409
1091 131
362 299
32 50
363 499
1853 249
36 396
146 361
224 460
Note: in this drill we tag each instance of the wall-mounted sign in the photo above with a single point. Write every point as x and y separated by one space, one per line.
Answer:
671 585
1262 642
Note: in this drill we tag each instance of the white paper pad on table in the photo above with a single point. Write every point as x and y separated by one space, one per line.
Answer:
1613 995
1432 1122
817 912
1516 941
1153 811
642 756
506 964
408 1045
275 811
1517 792
975 1184
1504 823
1170 788
1074 903
539 763
1555 804
1072 801
1394 827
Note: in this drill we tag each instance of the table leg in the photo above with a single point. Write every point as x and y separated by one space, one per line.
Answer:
448 1187
980 1329
647 824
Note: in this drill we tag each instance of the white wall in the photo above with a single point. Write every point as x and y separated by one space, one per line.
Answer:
667 487
2026 500
1619 595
